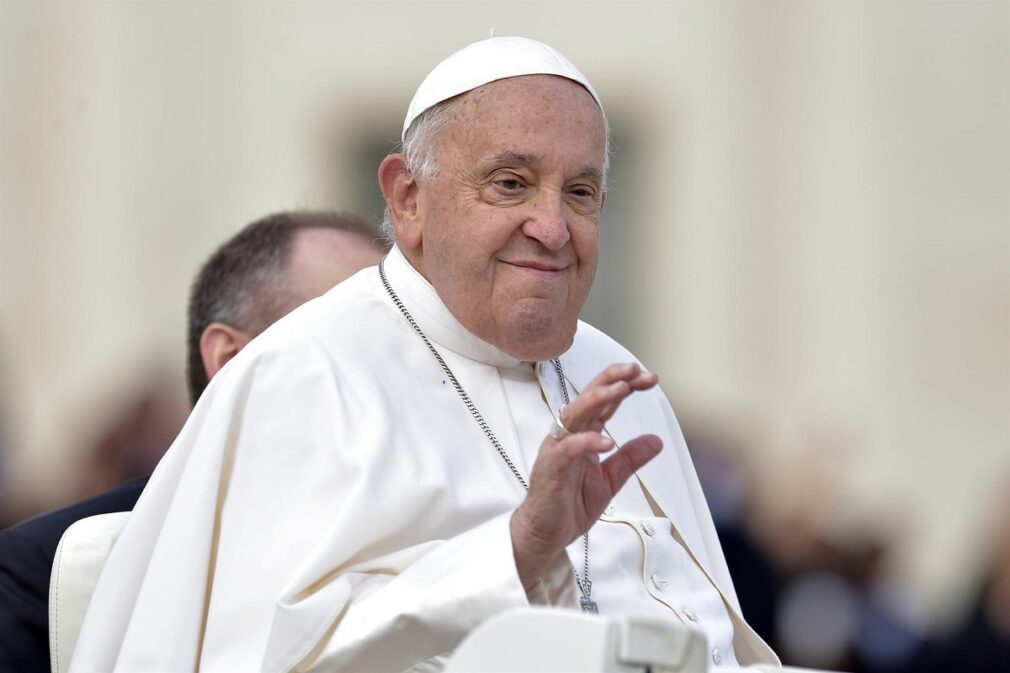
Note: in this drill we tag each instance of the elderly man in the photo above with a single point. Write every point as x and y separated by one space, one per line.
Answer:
255 277
435 440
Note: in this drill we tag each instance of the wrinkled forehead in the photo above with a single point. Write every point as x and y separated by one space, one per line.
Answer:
492 60
523 105
542 122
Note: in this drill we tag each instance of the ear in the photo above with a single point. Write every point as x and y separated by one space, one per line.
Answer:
399 187
220 343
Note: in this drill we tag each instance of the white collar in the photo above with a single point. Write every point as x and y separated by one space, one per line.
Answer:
435 319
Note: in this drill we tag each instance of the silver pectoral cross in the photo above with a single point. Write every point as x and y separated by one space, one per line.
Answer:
587 604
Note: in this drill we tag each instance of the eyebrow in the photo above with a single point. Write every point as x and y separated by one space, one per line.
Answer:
513 158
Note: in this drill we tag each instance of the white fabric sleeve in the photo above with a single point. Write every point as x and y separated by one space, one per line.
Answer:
393 623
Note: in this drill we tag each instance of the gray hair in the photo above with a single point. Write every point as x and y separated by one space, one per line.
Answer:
419 151
419 144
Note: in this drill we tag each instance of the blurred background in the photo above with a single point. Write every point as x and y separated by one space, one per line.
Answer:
807 236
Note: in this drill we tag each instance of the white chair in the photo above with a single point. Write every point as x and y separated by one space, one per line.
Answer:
79 559
545 639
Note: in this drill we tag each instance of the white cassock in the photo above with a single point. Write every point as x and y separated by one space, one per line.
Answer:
331 504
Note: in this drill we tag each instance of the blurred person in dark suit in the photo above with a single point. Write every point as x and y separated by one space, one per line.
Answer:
259 275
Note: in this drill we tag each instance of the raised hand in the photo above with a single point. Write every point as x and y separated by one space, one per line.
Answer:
569 485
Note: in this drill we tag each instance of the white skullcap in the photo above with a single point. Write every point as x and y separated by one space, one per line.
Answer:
486 61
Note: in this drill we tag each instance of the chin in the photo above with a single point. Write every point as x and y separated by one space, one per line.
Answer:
538 340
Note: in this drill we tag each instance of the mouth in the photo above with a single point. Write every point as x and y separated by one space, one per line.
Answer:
537 267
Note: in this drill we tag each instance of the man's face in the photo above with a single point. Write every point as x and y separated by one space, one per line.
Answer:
509 228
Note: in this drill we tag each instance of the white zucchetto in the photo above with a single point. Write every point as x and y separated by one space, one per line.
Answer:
487 61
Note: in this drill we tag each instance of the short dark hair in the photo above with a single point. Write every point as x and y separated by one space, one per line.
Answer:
242 283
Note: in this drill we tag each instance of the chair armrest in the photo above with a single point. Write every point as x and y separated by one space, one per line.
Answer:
79 559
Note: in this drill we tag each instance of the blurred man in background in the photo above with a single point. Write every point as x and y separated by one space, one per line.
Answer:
259 275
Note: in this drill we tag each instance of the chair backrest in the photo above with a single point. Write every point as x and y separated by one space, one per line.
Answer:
79 560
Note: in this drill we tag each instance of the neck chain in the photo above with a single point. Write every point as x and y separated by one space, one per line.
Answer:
585 586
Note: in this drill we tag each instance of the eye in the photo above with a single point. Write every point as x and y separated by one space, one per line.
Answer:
509 183
584 198
505 186
582 192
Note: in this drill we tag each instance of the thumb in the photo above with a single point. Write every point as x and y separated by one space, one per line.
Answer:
633 455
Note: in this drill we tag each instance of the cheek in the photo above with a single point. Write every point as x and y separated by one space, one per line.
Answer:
586 242
489 238
587 248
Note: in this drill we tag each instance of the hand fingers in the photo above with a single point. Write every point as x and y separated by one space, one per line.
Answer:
637 378
582 444
568 453
593 406
643 381
601 398
615 373
629 458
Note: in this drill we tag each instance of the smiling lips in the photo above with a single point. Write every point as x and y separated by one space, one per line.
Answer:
537 267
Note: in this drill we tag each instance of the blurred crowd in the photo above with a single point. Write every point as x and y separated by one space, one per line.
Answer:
821 599
824 599
127 442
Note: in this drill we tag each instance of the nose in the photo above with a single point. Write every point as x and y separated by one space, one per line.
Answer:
547 221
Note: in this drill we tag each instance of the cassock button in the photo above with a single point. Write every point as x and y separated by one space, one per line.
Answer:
609 511
649 529
690 615
716 656
658 581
